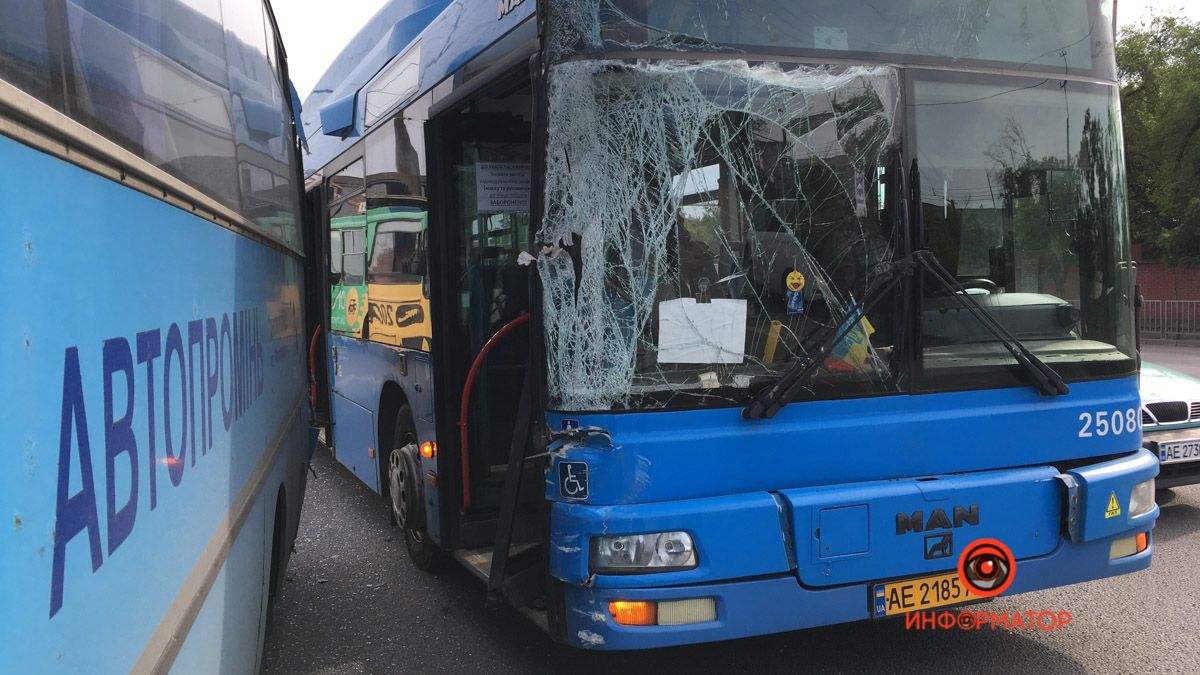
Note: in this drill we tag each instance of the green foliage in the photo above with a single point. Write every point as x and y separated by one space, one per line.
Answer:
1160 90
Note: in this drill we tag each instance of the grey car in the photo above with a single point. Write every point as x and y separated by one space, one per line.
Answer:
1171 423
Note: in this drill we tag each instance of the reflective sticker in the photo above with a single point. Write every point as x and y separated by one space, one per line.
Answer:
1114 507
573 480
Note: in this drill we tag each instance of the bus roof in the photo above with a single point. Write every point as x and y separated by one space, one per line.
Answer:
450 33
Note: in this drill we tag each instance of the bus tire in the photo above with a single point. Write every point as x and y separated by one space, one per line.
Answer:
404 492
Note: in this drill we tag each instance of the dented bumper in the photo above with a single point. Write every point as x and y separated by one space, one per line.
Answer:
780 603
766 557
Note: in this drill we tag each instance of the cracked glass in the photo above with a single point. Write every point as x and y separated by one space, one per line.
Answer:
705 220
711 216
1072 35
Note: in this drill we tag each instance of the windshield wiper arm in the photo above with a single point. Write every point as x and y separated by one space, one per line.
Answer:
1045 378
769 400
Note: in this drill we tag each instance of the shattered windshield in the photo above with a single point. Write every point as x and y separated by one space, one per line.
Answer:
1071 35
704 220
711 216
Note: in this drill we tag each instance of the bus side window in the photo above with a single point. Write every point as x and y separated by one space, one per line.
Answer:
335 256
398 255
354 258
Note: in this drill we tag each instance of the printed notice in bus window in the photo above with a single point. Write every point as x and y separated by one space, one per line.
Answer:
502 187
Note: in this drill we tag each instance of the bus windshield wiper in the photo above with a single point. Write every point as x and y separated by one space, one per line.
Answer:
769 400
1045 378
1047 381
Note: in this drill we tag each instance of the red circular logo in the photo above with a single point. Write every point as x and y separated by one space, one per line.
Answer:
986 567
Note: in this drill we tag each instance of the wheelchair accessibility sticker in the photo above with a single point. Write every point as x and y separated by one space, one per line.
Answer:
573 480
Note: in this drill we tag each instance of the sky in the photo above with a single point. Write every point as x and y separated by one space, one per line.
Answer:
1133 12
315 32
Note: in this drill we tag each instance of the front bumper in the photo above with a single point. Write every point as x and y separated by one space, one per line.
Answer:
758 560
779 603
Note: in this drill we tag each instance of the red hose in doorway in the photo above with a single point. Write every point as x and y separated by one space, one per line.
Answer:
466 402
312 368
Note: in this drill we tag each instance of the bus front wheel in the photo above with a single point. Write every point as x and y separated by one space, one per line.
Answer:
404 492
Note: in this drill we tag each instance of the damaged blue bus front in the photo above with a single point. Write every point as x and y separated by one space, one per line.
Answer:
825 297
744 317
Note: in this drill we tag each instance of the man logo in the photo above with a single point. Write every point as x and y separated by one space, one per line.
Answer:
938 545
937 520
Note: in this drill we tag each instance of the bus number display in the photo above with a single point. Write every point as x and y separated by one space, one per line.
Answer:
1104 423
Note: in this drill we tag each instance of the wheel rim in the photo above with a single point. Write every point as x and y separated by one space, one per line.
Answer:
396 485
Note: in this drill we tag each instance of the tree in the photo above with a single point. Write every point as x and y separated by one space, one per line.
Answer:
1159 68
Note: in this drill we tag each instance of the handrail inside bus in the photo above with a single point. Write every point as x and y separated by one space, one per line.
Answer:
466 401
312 367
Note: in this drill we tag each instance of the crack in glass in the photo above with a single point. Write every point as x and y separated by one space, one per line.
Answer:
703 220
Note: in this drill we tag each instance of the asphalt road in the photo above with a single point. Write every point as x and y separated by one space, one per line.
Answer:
352 603
1181 356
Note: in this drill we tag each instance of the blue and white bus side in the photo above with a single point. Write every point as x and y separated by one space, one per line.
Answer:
154 402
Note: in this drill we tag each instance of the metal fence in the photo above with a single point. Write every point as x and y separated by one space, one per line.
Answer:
1170 318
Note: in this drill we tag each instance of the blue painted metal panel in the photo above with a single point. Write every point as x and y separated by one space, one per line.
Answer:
354 433
664 456
337 116
1114 480
843 530
369 36
1021 507
460 31
744 608
736 536
777 604
360 372
130 421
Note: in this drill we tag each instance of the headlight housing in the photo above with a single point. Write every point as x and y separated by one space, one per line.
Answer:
643 553
1141 500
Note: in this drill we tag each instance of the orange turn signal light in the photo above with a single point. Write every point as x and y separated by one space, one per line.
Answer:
1143 541
634 613
428 450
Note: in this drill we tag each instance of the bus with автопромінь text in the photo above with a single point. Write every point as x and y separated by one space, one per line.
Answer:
155 416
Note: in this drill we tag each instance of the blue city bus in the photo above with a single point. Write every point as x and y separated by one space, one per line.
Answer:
742 317
156 409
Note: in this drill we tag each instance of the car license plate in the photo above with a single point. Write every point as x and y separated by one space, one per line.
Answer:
912 595
1180 451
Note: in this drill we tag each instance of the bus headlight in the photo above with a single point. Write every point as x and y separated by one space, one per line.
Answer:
642 553
1141 501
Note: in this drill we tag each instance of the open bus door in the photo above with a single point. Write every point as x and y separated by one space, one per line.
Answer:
316 306
480 159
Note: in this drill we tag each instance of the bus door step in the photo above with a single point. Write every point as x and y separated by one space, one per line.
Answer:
478 561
